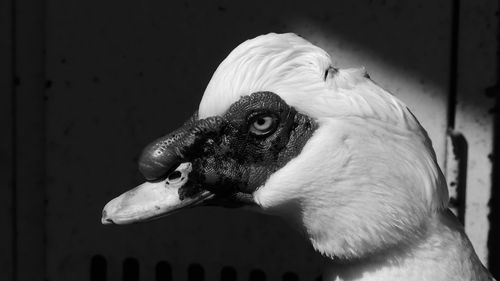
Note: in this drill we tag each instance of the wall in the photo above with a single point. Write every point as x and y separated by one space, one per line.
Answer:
93 82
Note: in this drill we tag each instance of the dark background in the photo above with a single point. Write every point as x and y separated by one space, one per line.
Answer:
86 84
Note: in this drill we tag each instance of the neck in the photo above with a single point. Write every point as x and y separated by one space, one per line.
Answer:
443 253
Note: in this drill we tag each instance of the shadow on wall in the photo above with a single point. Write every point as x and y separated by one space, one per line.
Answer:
494 217
163 272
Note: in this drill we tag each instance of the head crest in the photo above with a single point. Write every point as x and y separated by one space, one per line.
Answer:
285 64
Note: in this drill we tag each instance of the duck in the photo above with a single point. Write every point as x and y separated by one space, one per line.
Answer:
282 131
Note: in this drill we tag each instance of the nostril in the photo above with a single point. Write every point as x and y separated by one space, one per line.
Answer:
174 175
110 221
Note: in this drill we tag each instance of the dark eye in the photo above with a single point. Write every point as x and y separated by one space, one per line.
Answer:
262 124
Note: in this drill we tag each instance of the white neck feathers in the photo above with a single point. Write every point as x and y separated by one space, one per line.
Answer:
443 253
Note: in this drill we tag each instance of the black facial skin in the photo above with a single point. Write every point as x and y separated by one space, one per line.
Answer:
230 155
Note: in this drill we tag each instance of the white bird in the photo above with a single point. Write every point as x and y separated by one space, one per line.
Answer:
282 130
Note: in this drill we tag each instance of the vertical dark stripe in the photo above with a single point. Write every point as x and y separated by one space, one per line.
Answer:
44 139
14 140
98 268
196 272
452 95
257 275
163 271
28 148
130 270
494 204
228 273
461 154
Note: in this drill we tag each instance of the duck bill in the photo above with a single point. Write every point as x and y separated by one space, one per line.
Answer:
152 200
166 165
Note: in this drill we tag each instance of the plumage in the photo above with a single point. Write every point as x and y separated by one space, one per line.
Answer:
354 170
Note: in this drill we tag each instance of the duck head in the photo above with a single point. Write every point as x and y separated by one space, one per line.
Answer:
279 129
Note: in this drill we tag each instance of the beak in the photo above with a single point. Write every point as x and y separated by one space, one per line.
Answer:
166 165
152 200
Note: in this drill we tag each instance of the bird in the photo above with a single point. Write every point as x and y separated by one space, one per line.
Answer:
281 130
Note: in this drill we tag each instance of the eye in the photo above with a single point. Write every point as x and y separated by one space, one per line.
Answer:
262 124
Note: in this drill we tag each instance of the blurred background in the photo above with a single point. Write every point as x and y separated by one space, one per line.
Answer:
85 85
